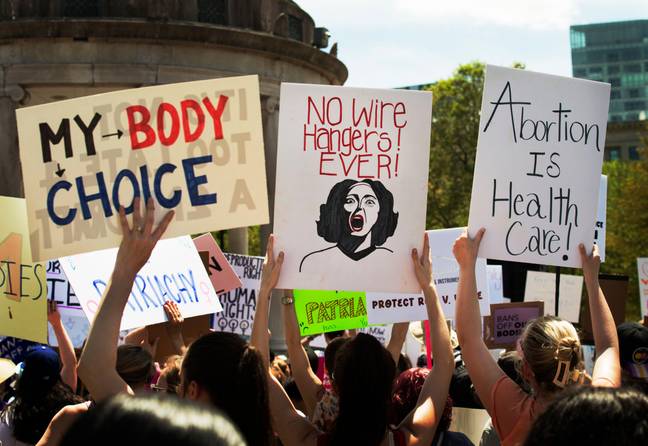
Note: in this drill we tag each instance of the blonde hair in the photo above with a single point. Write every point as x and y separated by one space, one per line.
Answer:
553 351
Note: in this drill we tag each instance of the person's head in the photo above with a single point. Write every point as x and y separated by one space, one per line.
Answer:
363 375
223 370
169 380
40 394
152 419
135 366
313 359
330 335
551 354
280 369
510 364
331 351
633 349
404 363
593 416
355 209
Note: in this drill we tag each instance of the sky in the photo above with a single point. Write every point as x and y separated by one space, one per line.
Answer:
395 43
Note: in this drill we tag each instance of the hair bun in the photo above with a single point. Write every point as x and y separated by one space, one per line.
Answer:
567 348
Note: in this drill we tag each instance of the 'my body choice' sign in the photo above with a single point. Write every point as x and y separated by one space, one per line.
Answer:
352 169
538 166
196 148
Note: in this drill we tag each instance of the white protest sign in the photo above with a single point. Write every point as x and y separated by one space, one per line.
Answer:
239 304
541 286
495 284
352 169
383 308
174 272
73 318
538 166
195 147
601 218
642 266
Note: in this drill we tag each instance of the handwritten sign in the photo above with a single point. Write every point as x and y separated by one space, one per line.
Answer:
239 305
541 286
14 348
601 218
195 147
495 284
324 311
220 272
174 272
508 321
642 266
23 289
538 166
384 308
352 168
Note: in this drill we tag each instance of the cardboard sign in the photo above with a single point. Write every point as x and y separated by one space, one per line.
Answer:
508 321
601 218
538 166
384 308
174 272
195 147
541 286
221 274
324 311
495 284
192 329
642 266
239 305
352 169
23 289
615 290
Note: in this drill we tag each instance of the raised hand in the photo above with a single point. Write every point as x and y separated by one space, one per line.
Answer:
591 262
138 242
423 264
465 249
53 315
271 267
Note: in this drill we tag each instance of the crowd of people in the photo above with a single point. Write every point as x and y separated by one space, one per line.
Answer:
223 390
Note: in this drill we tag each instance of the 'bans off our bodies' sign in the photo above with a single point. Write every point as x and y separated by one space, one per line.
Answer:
352 170
195 147
538 166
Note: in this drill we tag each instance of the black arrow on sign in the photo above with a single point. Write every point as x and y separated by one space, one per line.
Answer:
59 172
118 133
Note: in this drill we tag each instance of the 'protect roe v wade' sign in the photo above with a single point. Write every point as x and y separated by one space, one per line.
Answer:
194 147
538 166
352 168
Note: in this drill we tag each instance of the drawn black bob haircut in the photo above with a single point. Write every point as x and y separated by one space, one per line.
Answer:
333 222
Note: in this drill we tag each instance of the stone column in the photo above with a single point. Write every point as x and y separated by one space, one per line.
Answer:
10 172
237 241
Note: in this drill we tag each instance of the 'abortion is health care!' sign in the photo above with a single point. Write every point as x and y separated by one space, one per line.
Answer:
195 147
540 203
324 311
174 272
352 172
239 304
385 308
23 289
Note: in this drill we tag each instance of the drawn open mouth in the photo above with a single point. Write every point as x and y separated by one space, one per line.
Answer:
356 222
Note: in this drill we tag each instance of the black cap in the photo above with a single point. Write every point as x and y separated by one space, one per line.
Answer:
633 349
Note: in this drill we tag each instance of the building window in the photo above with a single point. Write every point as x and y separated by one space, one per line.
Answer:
212 11
615 82
612 57
615 94
81 8
615 118
295 28
577 39
633 68
634 93
580 72
633 153
634 105
614 153
613 69
598 70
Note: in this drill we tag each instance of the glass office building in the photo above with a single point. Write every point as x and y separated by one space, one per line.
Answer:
617 53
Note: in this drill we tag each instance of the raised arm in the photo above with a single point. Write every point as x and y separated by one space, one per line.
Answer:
97 363
396 340
482 368
607 368
260 337
309 385
66 349
420 425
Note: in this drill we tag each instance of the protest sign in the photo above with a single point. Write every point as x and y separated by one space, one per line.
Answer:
495 284
642 266
508 321
615 290
380 332
601 218
14 348
192 329
324 311
239 305
195 147
220 272
352 169
23 289
540 204
384 308
174 272
541 286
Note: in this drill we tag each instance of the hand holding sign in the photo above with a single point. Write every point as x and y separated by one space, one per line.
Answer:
591 262
53 315
465 249
423 264
271 267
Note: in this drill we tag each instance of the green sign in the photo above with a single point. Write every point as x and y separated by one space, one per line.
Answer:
324 311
